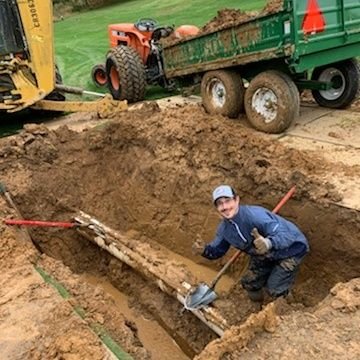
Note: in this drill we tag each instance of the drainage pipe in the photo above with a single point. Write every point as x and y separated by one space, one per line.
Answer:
125 250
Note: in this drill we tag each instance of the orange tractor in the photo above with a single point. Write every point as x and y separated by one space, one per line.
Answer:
135 58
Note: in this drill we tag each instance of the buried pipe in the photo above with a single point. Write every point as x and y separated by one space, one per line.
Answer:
122 248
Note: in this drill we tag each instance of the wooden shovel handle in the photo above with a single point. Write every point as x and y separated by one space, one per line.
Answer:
224 268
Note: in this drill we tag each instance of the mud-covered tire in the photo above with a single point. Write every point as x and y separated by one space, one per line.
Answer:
222 92
271 102
126 74
98 75
346 77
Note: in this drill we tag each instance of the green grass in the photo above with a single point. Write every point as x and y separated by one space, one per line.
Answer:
81 40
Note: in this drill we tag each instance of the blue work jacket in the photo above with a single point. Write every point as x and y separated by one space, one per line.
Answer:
286 239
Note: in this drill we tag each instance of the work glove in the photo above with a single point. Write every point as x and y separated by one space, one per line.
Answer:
262 244
198 246
289 264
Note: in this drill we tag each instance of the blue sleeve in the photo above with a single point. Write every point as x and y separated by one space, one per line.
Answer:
218 247
268 226
279 231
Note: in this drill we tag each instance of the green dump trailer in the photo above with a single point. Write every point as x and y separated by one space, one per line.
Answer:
261 64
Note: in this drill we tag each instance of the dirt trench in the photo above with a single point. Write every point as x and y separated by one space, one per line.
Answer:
149 174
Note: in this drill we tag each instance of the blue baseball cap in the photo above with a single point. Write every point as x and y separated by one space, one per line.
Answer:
223 191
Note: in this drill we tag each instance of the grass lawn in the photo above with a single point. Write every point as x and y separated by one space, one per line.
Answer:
81 40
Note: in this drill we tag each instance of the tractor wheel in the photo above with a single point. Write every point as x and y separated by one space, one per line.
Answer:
126 74
98 75
272 102
222 92
345 76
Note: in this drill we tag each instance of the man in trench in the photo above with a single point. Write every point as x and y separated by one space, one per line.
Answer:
276 246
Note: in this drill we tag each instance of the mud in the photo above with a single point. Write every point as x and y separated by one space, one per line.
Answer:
149 174
37 323
329 331
230 17
227 18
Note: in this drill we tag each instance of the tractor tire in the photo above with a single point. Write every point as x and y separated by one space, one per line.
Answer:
126 74
346 77
222 92
98 75
272 102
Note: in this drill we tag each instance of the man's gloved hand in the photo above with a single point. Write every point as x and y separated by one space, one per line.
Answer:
198 246
262 244
289 264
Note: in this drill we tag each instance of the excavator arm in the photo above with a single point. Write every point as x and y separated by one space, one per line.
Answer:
27 65
26 53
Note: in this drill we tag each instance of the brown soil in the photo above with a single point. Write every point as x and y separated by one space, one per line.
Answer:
230 17
36 323
329 331
149 174
226 18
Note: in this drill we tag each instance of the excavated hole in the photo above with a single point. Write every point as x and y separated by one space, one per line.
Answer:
152 181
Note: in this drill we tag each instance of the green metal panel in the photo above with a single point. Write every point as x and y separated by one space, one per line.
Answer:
258 39
280 35
339 40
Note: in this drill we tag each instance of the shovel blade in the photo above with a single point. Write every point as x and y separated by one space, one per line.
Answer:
202 296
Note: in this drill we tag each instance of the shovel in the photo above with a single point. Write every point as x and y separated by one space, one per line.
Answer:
204 294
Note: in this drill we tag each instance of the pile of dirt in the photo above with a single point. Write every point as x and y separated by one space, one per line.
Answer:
329 331
226 18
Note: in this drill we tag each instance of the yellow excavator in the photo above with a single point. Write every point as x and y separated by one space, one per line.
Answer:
28 74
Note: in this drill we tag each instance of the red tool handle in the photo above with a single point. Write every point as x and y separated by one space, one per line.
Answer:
39 223
288 195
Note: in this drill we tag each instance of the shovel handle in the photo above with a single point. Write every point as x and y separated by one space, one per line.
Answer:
40 223
224 268
288 195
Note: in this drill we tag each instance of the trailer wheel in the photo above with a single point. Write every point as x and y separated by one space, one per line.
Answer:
272 102
345 76
222 92
126 74
98 75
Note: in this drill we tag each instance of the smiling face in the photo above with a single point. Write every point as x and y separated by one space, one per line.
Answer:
227 207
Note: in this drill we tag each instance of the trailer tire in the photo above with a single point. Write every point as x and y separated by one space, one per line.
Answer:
347 76
98 75
222 92
126 74
272 102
